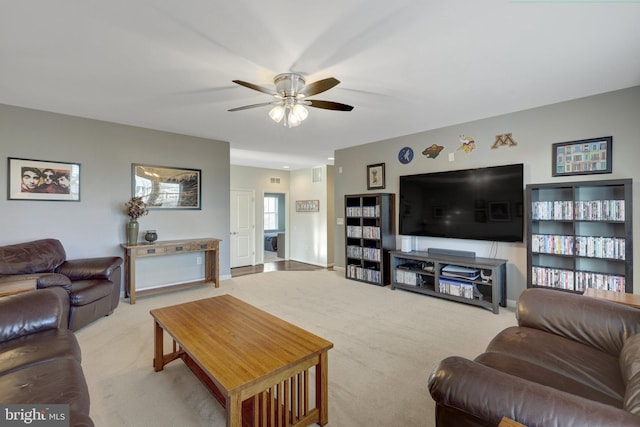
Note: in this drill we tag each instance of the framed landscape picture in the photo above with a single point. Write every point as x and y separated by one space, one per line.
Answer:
584 157
30 179
164 187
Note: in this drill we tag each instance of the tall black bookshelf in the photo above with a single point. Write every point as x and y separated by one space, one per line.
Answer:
580 235
369 236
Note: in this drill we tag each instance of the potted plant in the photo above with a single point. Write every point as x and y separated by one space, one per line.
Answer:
135 208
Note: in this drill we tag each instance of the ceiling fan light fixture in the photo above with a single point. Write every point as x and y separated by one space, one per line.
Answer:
277 113
291 93
300 111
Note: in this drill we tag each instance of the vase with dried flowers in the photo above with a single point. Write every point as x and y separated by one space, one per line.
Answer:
135 208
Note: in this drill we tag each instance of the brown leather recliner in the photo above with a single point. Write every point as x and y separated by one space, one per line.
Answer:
571 361
93 284
40 359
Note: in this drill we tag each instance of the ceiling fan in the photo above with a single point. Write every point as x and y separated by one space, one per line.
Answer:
291 93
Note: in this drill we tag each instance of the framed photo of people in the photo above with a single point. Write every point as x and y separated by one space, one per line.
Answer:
584 157
165 187
30 179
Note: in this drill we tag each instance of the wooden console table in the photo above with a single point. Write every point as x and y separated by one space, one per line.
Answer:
209 246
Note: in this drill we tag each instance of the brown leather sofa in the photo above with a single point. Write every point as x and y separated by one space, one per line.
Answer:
93 284
39 356
571 361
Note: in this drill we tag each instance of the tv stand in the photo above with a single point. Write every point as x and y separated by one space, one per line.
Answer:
475 281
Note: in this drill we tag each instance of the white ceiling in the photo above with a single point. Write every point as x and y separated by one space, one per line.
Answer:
405 65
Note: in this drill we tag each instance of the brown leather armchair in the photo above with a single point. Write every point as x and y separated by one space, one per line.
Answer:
571 361
93 284
40 359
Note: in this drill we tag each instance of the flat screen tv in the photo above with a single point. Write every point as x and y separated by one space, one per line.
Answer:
477 204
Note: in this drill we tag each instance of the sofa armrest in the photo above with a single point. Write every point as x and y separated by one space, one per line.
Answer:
32 312
48 280
598 323
89 268
488 394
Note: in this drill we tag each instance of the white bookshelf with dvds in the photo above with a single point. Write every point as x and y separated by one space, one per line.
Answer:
580 235
470 280
369 236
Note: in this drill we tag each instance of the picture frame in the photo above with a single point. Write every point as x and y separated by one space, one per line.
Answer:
167 187
43 180
582 157
307 205
375 176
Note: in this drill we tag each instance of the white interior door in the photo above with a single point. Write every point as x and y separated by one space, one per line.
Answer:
242 229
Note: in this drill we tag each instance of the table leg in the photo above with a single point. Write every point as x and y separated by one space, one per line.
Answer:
131 280
158 339
234 411
322 388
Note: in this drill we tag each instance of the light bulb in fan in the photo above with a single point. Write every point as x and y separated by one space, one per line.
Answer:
277 113
300 111
293 119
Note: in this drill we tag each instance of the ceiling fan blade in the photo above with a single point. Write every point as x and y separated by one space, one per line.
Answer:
255 87
319 86
328 105
246 107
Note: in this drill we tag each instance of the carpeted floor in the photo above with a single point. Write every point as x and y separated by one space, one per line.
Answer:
385 344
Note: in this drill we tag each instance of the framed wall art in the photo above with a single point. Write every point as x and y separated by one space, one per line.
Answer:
584 157
307 205
164 187
30 179
375 176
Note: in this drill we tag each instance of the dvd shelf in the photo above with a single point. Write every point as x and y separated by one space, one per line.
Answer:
370 235
471 280
580 235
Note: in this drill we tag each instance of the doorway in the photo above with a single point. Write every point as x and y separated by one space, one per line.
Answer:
274 212
242 228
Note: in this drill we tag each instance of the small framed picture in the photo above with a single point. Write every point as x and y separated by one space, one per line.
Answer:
307 205
30 179
584 157
375 176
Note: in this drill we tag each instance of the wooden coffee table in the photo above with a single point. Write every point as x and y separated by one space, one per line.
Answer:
254 363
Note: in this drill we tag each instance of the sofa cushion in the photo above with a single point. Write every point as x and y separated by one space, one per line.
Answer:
39 256
576 316
38 348
535 373
84 292
57 381
562 362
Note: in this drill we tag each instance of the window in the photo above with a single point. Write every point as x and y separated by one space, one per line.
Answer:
270 213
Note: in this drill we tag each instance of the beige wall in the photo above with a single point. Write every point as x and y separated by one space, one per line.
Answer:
95 226
310 234
615 113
